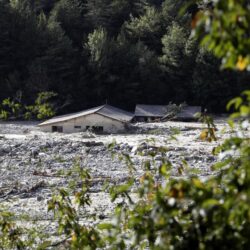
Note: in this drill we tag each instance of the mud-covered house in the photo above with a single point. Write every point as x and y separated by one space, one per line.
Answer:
188 113
106 119
147 113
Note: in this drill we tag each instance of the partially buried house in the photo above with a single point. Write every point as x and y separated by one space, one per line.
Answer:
147 113
188 113
106 118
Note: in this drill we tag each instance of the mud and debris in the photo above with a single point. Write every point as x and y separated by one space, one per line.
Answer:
33 163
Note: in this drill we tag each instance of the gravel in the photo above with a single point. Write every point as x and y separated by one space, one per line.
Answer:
32 162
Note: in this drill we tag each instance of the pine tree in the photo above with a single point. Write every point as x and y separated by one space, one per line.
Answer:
111 14
69 13
147 28
60 57
171 11
98 13
18 43
212 88
5 40
178 54
44 6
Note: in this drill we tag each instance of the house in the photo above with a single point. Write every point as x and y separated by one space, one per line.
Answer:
104 118
187 113
145 113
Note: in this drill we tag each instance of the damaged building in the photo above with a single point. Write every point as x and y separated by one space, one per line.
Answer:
102 119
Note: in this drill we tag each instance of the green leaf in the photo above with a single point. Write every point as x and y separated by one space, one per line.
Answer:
198 183
165 168
210 203
230 123
235 115
220 165
105 226
236 102
44 245
244 110
247 94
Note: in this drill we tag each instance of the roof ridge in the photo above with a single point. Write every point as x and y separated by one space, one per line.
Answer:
107 108
152 105
100 108
70 116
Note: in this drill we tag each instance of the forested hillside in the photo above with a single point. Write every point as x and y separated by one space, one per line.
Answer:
122 52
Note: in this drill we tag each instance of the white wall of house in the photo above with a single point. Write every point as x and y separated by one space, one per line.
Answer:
109 125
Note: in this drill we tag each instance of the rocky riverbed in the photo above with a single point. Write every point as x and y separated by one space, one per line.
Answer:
32 163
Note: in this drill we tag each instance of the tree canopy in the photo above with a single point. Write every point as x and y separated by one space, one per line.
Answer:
124 52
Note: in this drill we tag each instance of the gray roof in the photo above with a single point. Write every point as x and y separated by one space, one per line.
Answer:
115 113
151 110
105 110
188 112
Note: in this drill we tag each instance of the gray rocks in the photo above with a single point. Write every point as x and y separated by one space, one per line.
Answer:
40 198
93 144
5 149
27 159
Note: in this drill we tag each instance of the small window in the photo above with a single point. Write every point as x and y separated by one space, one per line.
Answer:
78 127
98 129
58 129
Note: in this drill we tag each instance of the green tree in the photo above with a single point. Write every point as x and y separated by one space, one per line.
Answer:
69 14
213 88
43 6
147 28
171 12
120 67
216 21
97 13
5 45
41 49
179 52
112 14
43 107
98 46
18 44
60 59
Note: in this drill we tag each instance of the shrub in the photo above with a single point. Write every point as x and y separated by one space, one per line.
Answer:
14 109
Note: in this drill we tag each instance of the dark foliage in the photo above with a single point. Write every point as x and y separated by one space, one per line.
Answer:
122 52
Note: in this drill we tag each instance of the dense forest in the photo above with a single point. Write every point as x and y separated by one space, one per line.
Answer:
120 52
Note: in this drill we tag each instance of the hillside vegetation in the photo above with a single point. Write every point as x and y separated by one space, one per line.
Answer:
123 52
